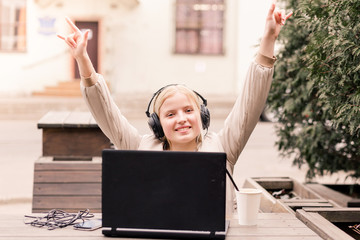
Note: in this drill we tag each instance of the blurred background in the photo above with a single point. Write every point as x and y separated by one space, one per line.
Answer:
138 46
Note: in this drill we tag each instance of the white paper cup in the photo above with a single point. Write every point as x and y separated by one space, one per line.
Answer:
248 204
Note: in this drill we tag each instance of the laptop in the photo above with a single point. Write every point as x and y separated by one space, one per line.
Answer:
163 194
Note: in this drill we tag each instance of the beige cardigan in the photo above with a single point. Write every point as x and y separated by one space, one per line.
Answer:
231 139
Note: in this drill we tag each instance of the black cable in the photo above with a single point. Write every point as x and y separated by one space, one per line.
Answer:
56 218
232 180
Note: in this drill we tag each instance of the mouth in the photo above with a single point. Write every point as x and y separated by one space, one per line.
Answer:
182 129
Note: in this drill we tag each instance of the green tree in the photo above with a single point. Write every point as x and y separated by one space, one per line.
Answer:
316 87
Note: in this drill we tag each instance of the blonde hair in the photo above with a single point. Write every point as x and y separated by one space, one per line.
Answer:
170 91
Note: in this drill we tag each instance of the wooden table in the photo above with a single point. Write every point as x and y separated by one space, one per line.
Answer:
271 226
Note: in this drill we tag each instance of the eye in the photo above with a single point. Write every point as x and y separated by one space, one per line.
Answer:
169 114
188 110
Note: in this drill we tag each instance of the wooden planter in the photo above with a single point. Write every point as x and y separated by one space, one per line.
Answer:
71 135
304 196
329 222
337 193
68 174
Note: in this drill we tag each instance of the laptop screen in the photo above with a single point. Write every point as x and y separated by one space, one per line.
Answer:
163 190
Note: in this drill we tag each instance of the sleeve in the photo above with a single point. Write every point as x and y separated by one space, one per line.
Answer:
108 116
248 107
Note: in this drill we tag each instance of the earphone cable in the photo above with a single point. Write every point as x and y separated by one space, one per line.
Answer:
56 218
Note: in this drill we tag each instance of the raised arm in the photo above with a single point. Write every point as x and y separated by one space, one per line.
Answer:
255 88
97 95
77 42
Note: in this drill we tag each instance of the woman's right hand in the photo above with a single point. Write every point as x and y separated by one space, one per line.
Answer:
76 40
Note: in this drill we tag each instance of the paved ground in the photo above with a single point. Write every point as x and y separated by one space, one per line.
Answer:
20 146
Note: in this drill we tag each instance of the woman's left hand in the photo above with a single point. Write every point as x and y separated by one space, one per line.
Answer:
275 19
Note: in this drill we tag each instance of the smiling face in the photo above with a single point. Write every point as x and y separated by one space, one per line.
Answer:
180 119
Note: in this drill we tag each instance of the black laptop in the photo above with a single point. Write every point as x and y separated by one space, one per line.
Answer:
163 194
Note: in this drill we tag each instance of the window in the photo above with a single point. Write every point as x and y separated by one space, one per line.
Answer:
199 26
13 25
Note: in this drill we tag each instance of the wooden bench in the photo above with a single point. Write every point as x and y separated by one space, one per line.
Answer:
67 185
68 174
331 223
303 196
340 198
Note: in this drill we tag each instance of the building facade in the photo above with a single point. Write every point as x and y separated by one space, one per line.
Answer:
138 45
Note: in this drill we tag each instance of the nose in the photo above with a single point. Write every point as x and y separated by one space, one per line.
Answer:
181 117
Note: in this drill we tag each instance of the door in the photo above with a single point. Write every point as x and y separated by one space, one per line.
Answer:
92 46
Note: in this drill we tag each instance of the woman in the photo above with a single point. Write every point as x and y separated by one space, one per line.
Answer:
179 119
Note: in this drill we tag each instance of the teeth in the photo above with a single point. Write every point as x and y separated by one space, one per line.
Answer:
182 129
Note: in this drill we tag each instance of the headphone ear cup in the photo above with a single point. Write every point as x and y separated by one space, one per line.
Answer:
155 126
205 116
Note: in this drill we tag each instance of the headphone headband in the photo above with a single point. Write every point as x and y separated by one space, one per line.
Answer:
161 89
